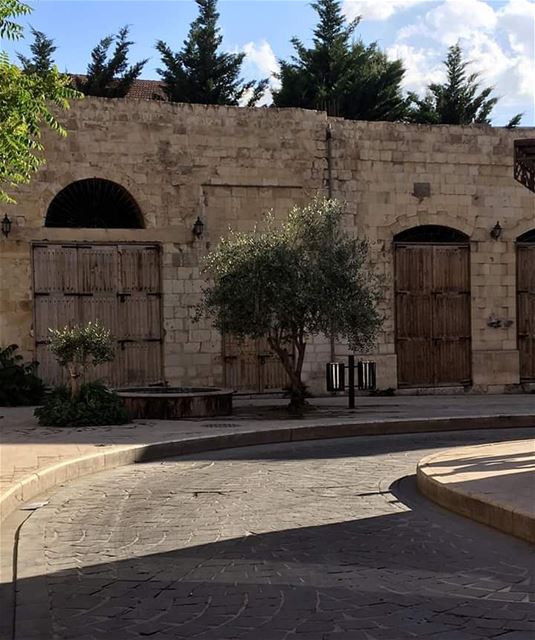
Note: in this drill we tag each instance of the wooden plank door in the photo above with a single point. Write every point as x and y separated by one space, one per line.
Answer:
432 307
451 315
139 311
116 285
413 304
250 365
97 299
56 303
526 310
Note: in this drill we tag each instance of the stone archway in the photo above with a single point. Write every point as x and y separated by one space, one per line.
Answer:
432 307
94 203
115 283
525 261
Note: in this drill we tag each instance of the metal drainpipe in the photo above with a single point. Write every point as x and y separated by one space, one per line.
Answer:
330 191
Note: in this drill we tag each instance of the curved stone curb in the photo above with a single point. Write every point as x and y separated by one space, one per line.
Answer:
479 507
57 474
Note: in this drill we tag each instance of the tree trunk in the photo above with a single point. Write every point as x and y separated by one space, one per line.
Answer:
75 379
293 368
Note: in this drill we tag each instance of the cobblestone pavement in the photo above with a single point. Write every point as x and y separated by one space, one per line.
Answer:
301 541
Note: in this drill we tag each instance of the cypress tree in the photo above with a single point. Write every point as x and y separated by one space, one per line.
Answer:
340 75
110 78
42 49
459 99
200 73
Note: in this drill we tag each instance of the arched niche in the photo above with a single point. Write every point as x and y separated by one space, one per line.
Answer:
94 203
432 233
528 237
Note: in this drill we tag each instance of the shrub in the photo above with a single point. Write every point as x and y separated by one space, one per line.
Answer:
95 405
19 383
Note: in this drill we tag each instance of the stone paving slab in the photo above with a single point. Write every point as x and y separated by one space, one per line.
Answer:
309 540
33 459
490 483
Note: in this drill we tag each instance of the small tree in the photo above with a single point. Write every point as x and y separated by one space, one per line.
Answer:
76 348
290 282
459 100
200 73
42 49
110 78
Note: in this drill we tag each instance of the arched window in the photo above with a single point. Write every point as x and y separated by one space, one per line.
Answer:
431 233
94 203
528 237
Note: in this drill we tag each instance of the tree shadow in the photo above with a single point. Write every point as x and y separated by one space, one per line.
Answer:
510 462
397 576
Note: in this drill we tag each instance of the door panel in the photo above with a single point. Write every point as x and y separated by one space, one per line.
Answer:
432 303
526 310
250 365
55 269
116 285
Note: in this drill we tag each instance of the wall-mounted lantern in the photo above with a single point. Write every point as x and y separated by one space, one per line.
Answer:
6 225
496 231
198 227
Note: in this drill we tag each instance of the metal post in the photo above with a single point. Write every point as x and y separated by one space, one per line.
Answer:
351 381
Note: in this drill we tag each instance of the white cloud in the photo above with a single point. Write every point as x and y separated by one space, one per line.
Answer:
498 40
376 9
452 20
261 62
422 66
262 57
517 18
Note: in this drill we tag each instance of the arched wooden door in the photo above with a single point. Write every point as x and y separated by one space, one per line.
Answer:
526 305
432 307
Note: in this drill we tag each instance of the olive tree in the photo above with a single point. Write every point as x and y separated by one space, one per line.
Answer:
291 281
77 348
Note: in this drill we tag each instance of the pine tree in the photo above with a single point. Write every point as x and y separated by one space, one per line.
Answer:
199 72
110 78
42 49
339 75
459 100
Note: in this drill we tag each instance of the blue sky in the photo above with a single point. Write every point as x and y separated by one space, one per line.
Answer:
497 36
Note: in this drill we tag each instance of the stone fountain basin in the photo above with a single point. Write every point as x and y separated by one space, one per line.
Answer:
175 403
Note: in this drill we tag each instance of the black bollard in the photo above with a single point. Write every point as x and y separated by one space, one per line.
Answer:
351 381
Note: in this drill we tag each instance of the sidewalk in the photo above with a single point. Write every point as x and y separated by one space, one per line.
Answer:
491 483
33 459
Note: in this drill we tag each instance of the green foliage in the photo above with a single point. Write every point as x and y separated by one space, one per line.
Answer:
110 77
94 406
299 279
341 76
91 344
10 9
77 347
19 383
514 121
459 100
199 73
42 49
25 108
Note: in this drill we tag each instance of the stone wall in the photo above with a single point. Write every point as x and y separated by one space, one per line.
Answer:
231 165
469 170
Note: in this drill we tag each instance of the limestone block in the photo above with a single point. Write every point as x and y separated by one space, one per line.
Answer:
495 366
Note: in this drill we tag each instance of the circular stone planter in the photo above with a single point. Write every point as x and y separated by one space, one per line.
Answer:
174 403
